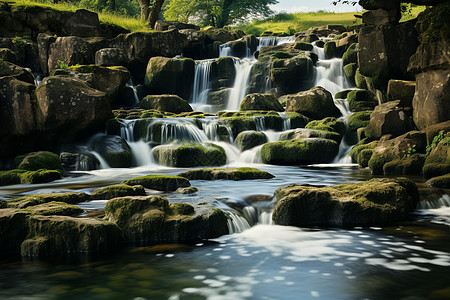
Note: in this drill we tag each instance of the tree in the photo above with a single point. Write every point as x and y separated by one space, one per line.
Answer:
217 12
150 10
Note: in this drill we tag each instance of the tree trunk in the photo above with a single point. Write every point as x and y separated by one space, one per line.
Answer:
145 9
154 14
225 16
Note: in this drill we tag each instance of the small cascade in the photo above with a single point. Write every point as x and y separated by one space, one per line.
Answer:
181 130
236 223
201 82
319 51
38 78
265 218
127 130
444 201
286 122
343 106
131 85
225 49
330 75
260 122
240 85
266 41
140 150
101 160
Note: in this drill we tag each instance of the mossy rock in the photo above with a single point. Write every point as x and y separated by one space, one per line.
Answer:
303 46
250 139
300 133
14 229
240 124
437 162
40 176
118 190
190 155
114 150
152 113
362 153
374 202
260 102
342 94
38 160
226 174
159 182
442 182
360 80
166 103
181 209
354 122
406 166
11 177
31 200
330 124
431 170
187 190
360 100
350 71
300 152
351 55
54 208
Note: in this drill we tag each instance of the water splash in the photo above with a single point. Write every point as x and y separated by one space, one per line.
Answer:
239 90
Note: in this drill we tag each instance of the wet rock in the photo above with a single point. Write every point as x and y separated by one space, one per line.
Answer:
151 220
78 161
159 182
54 208
194 155
31 200
300 152
261 102
40 176
239 48
437 162
14 228
187 190
362 152
226 174
248 139
354 122
316 103
110 57
329 124
167 103
401 90
361 100
298 134
332 50
15 71
293 74
166 25
350 71
442 182
118 190
378 201
38 160
114 150
351 55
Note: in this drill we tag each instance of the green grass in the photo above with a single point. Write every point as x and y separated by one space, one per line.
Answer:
129 23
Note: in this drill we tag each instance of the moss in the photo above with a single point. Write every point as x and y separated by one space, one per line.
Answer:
159 182
362 153
38 160
181 209
431 170
342 94
310 133
442 182
436 25
303 46
248 113
330 124
360 80
297 120
190 155
249 139
360 100
153 113
118 190
226 174
70 198
405 166
40 176
11 177
351 55
350 71
354 122
54 208
239 124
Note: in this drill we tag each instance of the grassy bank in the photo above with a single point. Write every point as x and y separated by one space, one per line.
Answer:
132 24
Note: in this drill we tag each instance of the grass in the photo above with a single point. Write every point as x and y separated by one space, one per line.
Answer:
129 23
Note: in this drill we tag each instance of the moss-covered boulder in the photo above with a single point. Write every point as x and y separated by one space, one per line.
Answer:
13 230
11 177
332 50
442 182
437 162
362 152
300 152
329 124
260 102
408 145
167 103
291 75
170 76
118 190
361 100
354 122
303 46
295 120
40 176
151 220
374 202
301 133
50 236
54 208
238 48
190 155
316 103
351 55
401 90
158 182
389 118
38 160
114 150
249 139
350 72
360 80
412 165
342 94
32 200
226 174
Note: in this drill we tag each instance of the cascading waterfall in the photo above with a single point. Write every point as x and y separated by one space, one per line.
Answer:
201 83
330 75
239 89
131 85
266 41
140 150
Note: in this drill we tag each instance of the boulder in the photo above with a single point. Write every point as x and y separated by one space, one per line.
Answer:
299 134
300 152
408 145
78 161
316 103
170 76
332 50
166 183
329 124
412 165
435 130
167 103
401 90
388 118
54 208
38 160
225 73
13 230
84 23
194 155
354 122
249 139
374 202
252 42
32 200
260 102
361 100
151 220
238 48
222 35
107 57
69 107
381 16
114 150
442 182
291 75
15 71
8 55
362 152
226 174
161 25
351 55
437 162
350 71
118 190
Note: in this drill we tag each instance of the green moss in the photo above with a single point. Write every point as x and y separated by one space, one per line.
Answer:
38 160
119 190
351 55
181 209
362 153
342 94
239 124
11 177
40 176
442 182
360 80
303 46
159 182
54 208
297 120
249 139
190 155
431 170
153 113
226 174
354 122
330 124
247 113
70 198
405 166
436 25
360 100
350 72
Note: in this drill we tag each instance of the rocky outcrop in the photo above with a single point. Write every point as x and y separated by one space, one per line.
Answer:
249 139
316 103
165 183
226 174
437 162
401 90
361 100
260 102
118 190
374 202
168 25
194 155
114 150
167 103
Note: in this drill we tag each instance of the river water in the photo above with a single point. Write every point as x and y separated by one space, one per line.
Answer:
257 260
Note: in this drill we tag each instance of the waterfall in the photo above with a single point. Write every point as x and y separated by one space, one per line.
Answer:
236 223
131 85
181 130
239 90
330 75
101 160
443 201
140 150
201 82
266 41
260 122
319 51
225 49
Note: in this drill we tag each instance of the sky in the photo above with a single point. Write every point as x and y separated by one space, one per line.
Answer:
294 6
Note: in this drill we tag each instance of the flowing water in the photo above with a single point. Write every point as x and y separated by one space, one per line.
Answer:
257 260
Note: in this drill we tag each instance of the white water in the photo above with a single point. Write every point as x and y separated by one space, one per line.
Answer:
133 87
274 41
201 82
239 90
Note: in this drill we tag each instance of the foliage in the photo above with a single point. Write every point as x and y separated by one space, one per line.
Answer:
436 140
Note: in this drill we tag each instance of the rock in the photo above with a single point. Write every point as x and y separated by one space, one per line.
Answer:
32 200
252 42
350 71
401 90
226 174
166 25
351 55
170 76
219 97
374 202
295 120
84 23
434 130
159 182
69 107
38 160
118 190
11 177
303 46
405 146
299 134
360 80
239 48
300 152
329 124
15 71
78 161
388 118
362 152
221 35
40 176
291 75
62 236
437 162
7 55
151 220
194 155
442 182
361 100
168 103
107 57
342 94
260 102
187 190
260 75
381 16
326 30
316 103
114 150
405 166
354 122
225 73
249 139
332 50
54 208
379 4
13 230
